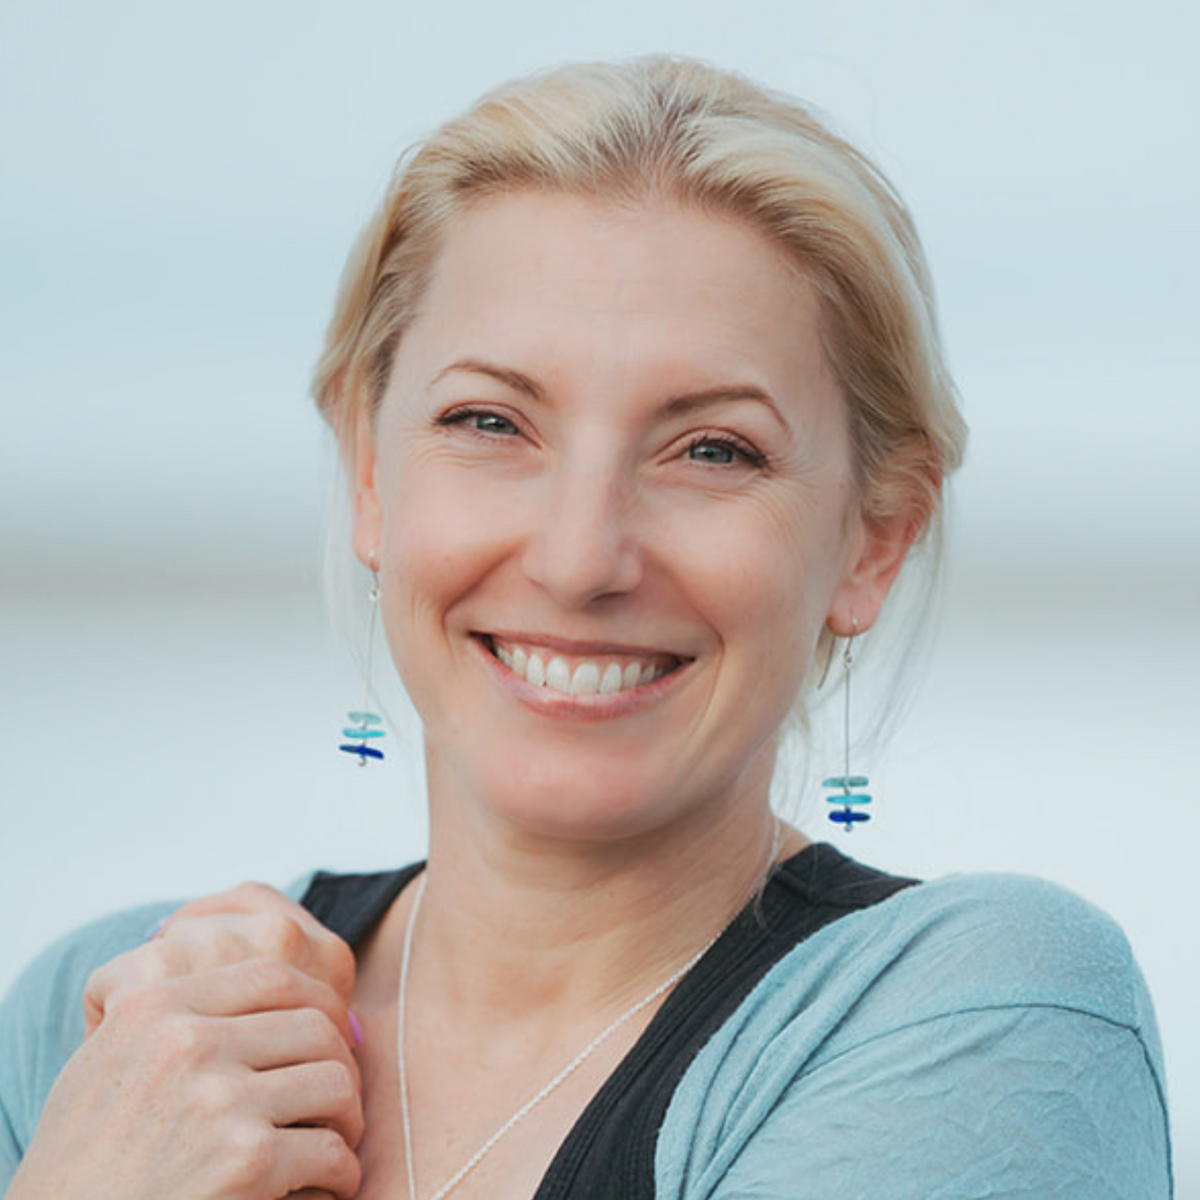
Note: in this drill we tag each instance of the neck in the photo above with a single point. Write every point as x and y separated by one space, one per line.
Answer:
515 926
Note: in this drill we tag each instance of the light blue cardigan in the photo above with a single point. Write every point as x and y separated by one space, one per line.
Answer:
979 1036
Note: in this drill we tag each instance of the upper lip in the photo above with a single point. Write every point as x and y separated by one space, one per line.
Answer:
579 649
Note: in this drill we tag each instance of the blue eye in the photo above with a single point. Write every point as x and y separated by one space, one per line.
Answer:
713 453
481 421
720 452
487 422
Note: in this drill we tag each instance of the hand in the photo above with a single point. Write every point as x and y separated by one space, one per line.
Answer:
251 921
229 1084
217 1064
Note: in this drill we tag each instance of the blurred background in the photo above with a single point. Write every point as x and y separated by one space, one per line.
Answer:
179 185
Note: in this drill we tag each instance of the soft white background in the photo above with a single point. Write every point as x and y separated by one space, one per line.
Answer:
178 186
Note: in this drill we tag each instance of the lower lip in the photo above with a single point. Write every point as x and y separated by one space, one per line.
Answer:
599 706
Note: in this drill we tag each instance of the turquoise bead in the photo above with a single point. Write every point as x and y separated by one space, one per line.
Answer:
364 733
365 718
849 799
845 781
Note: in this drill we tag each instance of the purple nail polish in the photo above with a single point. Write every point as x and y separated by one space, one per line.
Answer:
156 929
356 1029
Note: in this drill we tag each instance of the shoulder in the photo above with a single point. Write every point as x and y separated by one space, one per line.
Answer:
41 1017
997 940
959 1027
960 945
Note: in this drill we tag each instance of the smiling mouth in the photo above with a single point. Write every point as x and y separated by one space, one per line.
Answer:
604 674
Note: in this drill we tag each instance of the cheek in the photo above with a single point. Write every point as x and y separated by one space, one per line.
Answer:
764 575
437 538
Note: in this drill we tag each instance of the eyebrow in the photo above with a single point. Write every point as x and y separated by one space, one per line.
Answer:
681 405
517 380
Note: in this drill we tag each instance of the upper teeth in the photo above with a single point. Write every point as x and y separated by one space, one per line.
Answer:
586 679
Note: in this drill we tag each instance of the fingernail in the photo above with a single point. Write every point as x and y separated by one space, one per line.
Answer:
156 929
356 1029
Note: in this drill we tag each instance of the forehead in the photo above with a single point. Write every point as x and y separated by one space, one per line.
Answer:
545 274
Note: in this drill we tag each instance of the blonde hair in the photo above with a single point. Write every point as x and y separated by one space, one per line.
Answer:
674 129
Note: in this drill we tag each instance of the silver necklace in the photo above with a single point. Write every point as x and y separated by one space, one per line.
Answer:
557 1081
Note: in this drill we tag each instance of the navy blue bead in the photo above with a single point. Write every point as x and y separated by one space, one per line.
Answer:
362 750
848 817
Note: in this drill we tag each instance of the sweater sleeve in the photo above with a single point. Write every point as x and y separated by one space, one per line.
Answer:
977 1037
1012 1103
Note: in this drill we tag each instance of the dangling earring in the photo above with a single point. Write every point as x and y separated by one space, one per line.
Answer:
365 724
847 815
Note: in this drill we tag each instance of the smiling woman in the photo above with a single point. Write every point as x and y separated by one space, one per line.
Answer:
637 381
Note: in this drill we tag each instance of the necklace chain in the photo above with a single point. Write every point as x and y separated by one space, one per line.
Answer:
557 1081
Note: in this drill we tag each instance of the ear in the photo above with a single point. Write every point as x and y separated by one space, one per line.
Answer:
880 547
368 513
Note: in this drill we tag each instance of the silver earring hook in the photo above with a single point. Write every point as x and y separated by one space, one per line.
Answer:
847 797
365 725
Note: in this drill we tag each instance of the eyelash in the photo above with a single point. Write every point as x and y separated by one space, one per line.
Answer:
471 417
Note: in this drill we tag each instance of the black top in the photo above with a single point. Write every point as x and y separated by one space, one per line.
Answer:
609 1153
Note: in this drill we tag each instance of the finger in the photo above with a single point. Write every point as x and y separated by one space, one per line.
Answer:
180 957
285 930
316 1159
292 936
262 985
314 1093
268 1041
256 986
249 898
257 918
197 944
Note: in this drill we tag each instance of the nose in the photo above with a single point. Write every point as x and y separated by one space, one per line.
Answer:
584 546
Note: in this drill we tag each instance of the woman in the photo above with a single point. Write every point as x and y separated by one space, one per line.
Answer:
637 382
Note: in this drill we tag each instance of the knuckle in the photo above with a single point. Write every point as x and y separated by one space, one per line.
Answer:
341 1169
318 1030
180 1039
272 982
342 1085
139 1002
342 965
98 986
164 959
284 937
250 1155
254 894
216 1096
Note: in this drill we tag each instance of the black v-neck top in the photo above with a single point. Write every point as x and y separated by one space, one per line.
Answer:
609 1153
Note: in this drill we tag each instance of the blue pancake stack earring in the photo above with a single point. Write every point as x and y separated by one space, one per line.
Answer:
848 800
365 726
